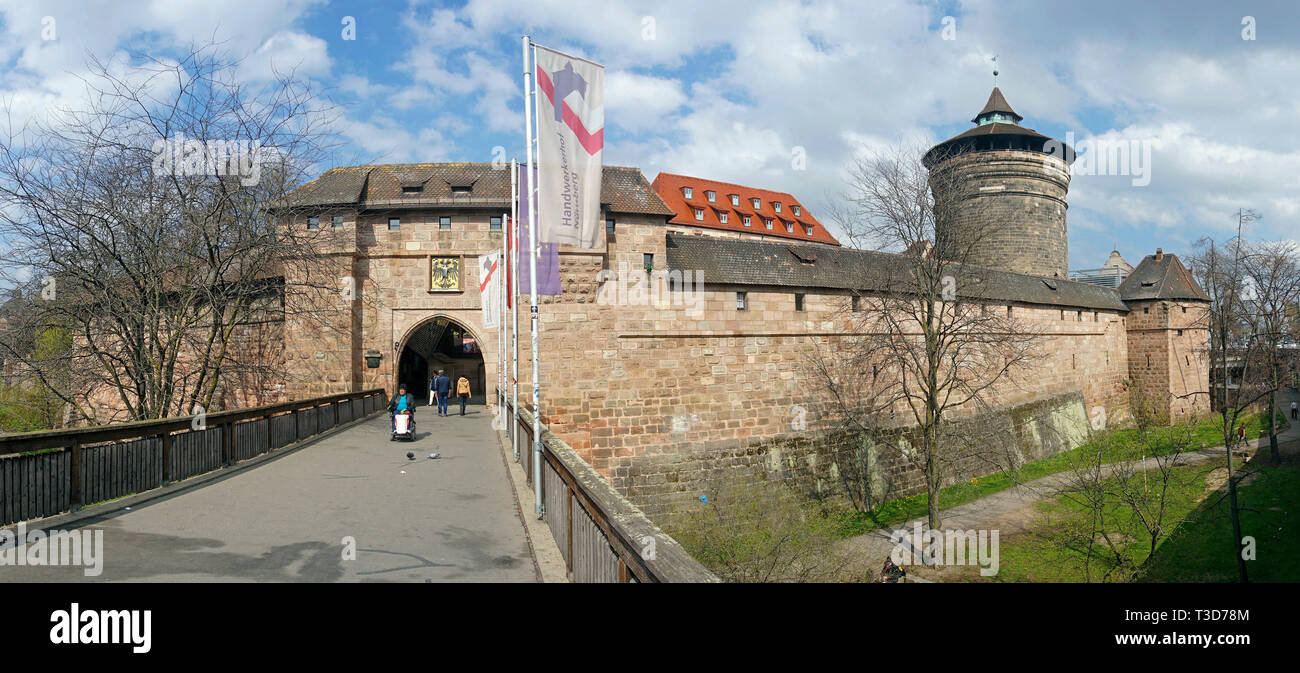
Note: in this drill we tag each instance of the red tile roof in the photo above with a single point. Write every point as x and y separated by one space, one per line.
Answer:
669 187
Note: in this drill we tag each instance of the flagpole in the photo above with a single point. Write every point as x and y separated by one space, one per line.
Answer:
529 60
501 326
512 276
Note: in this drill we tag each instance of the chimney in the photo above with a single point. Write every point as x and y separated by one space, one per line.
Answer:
1160 254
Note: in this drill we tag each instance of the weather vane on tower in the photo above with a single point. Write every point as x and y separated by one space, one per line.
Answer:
995 70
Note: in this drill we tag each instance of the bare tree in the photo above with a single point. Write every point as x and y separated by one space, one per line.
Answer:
1272 270
1236 345
929 333
140 223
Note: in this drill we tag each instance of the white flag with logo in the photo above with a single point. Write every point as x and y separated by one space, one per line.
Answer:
489 274
570 147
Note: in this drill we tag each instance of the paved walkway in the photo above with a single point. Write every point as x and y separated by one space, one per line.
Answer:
445 520
998 510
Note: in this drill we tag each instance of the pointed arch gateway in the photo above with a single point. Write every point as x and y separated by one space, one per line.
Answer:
441 342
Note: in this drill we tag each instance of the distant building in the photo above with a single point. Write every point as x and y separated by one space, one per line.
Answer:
1111 274
726 209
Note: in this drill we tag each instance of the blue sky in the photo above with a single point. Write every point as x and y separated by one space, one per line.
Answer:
729 90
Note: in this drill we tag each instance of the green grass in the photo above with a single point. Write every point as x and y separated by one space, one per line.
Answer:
1115 445
1198 550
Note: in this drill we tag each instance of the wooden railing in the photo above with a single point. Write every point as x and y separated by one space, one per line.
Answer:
602 536
49 472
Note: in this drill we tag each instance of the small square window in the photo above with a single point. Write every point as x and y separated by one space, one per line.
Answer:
338 221
394 223
444 222
313 223
798 301
609 225
1180 332
494 223
722 217
758 205
740 301
699 214
711 195
688 192
735 199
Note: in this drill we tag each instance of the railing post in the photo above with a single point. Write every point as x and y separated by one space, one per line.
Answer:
75 473
227 429
166 438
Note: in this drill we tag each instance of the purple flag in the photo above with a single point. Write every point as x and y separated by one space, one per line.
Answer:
548 268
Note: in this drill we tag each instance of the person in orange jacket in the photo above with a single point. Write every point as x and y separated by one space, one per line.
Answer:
462 391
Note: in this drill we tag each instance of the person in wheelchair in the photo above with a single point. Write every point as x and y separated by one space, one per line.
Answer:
402 401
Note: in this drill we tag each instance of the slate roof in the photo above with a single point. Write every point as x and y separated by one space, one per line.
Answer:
1161 276
669 187
747 262
623 188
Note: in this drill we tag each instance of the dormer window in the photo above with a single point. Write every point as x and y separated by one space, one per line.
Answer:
796 210
699 214
722 217
789 227
461 189
758 205
688 193
745 220
735 199
776 205
768 222
711 195
408 190
807 228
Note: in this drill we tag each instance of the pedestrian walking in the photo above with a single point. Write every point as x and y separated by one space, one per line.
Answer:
462 390
1293 411
442 385
432 377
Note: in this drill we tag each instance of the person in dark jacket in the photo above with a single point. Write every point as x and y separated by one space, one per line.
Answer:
442 386
402 401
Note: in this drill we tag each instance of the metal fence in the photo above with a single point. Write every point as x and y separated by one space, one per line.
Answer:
601 535
50 472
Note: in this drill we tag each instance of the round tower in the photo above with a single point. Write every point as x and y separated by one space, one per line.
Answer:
999 192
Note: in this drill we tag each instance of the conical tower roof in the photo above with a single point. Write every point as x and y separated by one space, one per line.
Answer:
997 103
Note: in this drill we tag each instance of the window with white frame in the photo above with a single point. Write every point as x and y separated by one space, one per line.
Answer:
711 195
757 203
768 223
744 219
789 227
776 205
735 199
795 209
699 214
688 192
722 217
740 301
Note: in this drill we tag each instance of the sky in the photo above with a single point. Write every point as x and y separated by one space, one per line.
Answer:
1203 95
